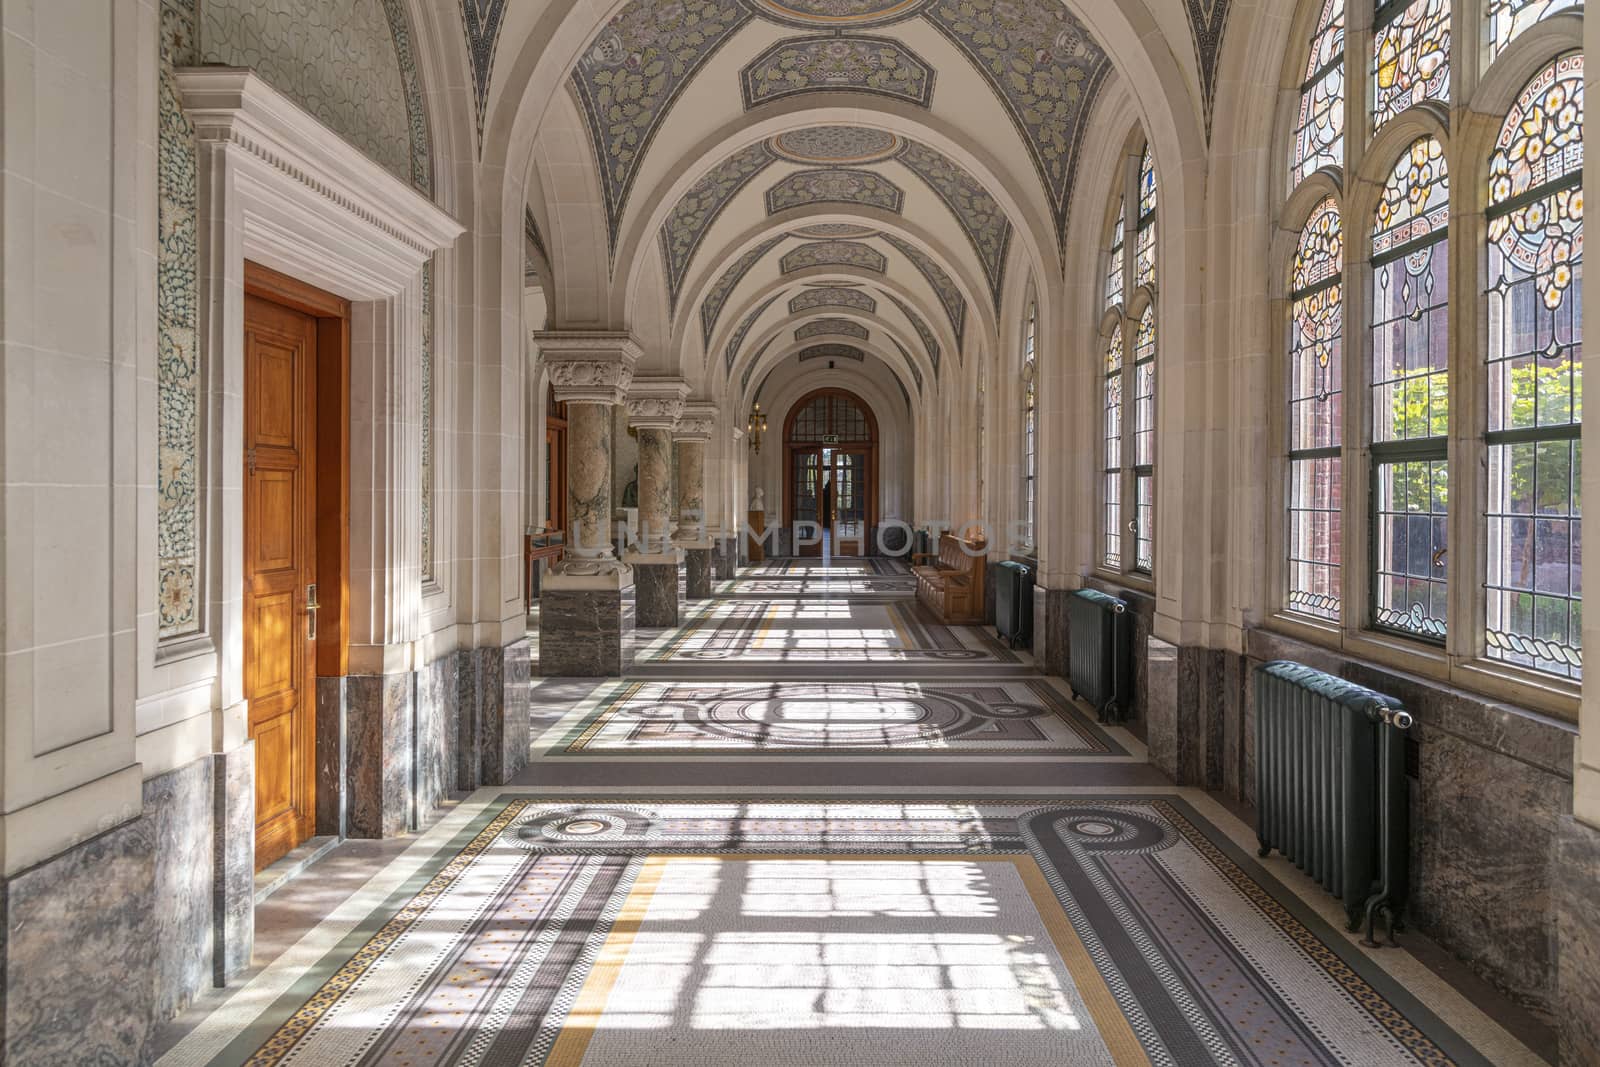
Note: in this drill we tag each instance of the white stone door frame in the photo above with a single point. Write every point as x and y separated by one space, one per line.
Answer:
278 188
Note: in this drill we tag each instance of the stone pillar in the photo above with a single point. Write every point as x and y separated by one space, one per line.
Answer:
586 603
654 406
694 430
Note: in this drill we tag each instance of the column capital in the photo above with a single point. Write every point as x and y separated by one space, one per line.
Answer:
656 403
593 366
699 418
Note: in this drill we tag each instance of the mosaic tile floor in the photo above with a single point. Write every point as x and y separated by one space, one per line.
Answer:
1092 930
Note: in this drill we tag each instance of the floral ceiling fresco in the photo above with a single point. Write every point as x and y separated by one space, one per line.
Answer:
694 213
955 305
831 327
711 306
911 364
832 351
737 340
835 185
833 296
834 62
930 343
834 254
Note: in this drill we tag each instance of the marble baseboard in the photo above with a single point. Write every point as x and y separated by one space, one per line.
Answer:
506 752
436 733
697 577
332 757
656 589
1577 888
585 633
1162 705
80 958
1055 659
378 754
180 807
233 862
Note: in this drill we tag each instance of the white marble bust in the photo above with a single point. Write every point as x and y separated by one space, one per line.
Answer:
758 502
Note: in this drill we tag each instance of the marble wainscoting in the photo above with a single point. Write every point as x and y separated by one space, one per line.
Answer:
656 587
697 577
586 633
233 862
725 559
1492 785
1056 655
79 953
492 687
378 754
1577 872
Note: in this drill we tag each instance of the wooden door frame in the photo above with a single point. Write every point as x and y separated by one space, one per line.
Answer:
790 446
330 381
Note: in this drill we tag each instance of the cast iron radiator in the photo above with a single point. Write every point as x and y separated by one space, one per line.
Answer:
1331 787
1013 603
1099 645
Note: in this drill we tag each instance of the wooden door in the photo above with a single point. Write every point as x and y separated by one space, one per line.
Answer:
280 569
805 499
851 494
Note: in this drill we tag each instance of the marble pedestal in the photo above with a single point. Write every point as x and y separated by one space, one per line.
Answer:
697 565
586 633
656 592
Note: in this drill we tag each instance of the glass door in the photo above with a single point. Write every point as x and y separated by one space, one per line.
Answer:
805 507
850 490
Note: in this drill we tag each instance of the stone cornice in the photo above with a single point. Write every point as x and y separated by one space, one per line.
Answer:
656 403
589 366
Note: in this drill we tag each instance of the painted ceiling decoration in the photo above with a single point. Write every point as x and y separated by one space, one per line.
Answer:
851 145
834 229
832 351
698 208
530 230
834 63
832 296
834 185
834 254
831 327
905 395
750 368
711 306
978 212
1207 19
839 282
628 78
916 373
737 340
955 305
416 110
835 14
1046 69
482 20
930 343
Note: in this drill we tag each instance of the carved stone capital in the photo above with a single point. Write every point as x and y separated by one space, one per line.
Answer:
593 367
697 422
656 403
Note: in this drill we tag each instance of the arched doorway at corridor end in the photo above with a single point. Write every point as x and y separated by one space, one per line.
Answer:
830 439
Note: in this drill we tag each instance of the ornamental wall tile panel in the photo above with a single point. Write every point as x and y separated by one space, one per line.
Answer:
955 305
698 208
1206 20
911 364
1046 69
977 211
834 254
834 63
481 21
827 327
341 60
178 339
833 296
832 351
834 185
628 79
929 342
744 328
711 306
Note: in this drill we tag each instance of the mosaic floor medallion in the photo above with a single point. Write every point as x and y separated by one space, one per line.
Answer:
1096 932
788 718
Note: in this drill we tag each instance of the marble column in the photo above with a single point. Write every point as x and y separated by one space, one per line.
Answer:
654 405
586 604
694 430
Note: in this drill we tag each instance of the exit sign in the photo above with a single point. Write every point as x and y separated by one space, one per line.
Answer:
830 438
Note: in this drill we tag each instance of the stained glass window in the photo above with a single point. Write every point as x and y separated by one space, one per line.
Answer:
1315 415
1535 362
1410 56
1112 526
1144 439
1319 126
1114 259
1411 394
1030 451
1508 18
1145 259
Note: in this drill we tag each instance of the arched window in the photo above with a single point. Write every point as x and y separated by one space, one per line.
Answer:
1508 18
1409 342
1316 415
1030 430
1535 370
1410 56
1128 472
1319 125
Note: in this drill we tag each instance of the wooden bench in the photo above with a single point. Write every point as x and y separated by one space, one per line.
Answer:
951 583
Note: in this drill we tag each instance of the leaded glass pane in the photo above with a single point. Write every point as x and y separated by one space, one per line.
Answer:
1147 184
1315 400
1144 541
1145 263
1411 59
1508 18
1535 257
1315 522
1319 126
1144 390
1112 432
1411 498
1114 259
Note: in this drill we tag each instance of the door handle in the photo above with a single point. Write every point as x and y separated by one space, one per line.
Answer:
311 611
